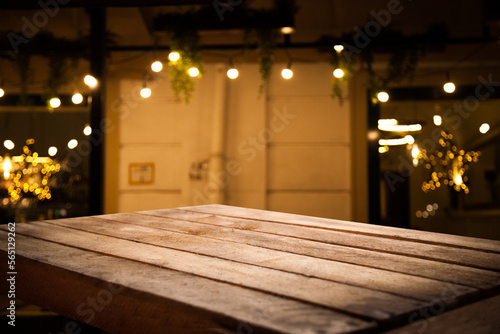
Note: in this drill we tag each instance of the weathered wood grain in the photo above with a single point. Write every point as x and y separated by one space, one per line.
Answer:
347 298
133 297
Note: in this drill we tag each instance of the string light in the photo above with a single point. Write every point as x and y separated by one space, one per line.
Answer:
72 144
400 127
174 56
338 73
387 121
383 149
55 102
9 144
338 47
193 72
77 98
52 151
437 120
87 130
90 81
383 96
485 127
156 66
2 92
232 73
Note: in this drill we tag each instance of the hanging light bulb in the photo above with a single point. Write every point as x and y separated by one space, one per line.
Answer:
383 96
7 166
415 151
485 127
339 47
287 73
55 102
87 130
174 56
52 151
72 144
449 87
2 92
90 81
193 72
145 92
287 30
156 66
77 98
437 120
9 144
338 73
232 73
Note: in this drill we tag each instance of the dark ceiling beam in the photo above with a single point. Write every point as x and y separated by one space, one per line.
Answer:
35 4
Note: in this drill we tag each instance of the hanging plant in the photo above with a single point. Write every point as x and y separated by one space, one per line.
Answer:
266 44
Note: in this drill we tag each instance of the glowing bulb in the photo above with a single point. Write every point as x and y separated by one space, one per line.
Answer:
90 80
72 144
232 73
156 66
145 92
174 56
437 120
383 96
77 98
338 47
287 73
449 87
52 151
9 144
87 130
409 139
193 72
415 151
338 73
485 127
383 149
457 178
287 30
7 166
2 93
55 102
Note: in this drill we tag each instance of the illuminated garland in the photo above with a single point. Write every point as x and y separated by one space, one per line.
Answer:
447 165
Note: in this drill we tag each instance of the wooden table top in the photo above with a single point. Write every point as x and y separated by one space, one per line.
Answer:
223 269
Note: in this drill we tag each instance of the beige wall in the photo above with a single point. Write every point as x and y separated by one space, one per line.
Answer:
288 149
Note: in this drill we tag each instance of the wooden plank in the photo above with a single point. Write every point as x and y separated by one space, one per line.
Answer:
133 297
461 256
375 279
354 300
478 278
478 318
359 228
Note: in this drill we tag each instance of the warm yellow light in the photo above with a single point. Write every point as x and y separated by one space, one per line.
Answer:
55 102
457 178
415 151
387 121
174 56
400 128
156 66
2 93
383 96
393 142
437 120
287 30
338 47
485 127
77 98
409 139
52 151
287 73
193 72
232 73
383 149
72 143
449 87
87 130
338 73
90 80
9 144
145 92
